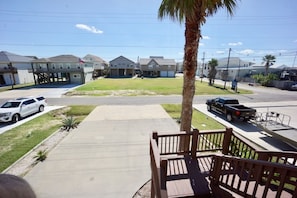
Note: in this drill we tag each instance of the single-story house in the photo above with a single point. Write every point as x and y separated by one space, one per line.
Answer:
15 69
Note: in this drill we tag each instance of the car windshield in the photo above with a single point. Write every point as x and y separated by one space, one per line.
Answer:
11 105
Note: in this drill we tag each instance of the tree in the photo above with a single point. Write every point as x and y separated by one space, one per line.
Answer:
193 13
212 70
268 60
12 72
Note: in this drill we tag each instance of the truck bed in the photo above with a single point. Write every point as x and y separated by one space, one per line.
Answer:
240 107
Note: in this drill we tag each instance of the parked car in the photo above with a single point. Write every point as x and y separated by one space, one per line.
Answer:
230 108
15 110
293 87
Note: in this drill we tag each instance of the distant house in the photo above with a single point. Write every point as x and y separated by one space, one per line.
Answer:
63 68
157 66
99 65
235 68
15 69
122 67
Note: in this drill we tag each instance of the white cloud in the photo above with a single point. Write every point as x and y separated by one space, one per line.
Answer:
206 37
235 44
201 44
247 52
92 29
220 52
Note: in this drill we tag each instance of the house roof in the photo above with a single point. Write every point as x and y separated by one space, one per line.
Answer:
59 59
93 58
64 58
158 60
123 58
10 57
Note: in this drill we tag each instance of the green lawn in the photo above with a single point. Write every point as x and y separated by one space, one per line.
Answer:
19 140
200 121
147 86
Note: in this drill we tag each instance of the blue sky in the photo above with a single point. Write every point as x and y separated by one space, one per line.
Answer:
108 29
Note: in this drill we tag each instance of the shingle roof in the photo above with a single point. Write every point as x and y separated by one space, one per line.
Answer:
10 57
93 58
64 58
122 58
159 60
59 59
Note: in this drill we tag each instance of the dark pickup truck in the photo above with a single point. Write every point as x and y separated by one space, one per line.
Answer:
230 108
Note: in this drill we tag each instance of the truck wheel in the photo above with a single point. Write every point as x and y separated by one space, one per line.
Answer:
41 108
229 117
208 108
15 118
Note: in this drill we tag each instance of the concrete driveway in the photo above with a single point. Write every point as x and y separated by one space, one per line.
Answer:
107 156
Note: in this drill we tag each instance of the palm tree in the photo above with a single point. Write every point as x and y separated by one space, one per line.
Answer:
193 13
212 70
268 60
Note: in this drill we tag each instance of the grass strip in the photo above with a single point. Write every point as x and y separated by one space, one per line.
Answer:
200 121
18 141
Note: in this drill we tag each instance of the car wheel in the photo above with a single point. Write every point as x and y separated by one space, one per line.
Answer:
208 108
229 117
16 118
41 108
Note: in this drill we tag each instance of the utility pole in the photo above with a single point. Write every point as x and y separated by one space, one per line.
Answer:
227 68
201 75
238 70
294 60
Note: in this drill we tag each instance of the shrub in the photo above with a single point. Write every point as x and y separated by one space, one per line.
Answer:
40 156
265 80
69 123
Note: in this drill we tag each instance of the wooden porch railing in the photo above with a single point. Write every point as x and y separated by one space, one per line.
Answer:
253 178
196 141
166 148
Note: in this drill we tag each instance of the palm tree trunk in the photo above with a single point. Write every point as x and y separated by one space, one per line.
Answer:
192 36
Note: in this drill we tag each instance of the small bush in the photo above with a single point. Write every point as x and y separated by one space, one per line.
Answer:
40 156
69 123
265 80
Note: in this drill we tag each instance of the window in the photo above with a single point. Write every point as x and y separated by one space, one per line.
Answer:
27 102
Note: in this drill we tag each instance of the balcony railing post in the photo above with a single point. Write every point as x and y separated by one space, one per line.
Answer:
194 142
163 173
227 141
155 136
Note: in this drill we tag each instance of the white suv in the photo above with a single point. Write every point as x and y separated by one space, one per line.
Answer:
14 110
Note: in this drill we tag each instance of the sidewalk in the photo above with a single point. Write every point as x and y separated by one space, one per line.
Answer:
107 156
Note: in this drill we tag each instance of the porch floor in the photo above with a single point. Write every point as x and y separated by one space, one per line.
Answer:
189 177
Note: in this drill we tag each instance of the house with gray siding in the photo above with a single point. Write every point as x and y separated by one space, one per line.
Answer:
62 68
157 66
121 67
100 66
15 69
